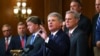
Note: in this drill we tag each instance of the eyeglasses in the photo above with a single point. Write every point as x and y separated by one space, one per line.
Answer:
6 30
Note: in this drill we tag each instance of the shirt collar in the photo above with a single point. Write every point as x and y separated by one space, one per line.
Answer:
8 37
22 36
99 14
36 33
72 30
54 33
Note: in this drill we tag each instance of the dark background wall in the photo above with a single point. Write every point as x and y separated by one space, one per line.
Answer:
40 8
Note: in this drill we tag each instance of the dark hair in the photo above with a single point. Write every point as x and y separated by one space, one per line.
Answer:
34 19
77 1
21 23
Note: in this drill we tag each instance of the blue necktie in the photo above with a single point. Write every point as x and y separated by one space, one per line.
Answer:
97 34
51 36
32 39
98 24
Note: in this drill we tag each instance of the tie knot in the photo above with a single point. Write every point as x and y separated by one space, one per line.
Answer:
51 36
7 39
22 37
69 34
33 35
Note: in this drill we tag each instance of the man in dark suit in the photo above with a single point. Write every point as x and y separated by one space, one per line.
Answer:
96 30
78 39
84 22
22 36
34 41
6 43
57 44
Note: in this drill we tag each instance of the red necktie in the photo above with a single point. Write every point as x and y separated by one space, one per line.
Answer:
22 42
6 43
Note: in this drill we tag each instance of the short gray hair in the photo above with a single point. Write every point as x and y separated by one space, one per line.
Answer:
76 15
7 25
56 14
34 19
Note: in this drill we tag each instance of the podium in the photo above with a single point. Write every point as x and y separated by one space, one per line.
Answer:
16 52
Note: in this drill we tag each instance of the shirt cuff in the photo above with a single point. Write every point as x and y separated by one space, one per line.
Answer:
47 40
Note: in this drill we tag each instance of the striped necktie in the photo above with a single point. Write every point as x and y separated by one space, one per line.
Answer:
98 23
32 39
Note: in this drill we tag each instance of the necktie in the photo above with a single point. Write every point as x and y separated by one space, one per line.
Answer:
32 39
69 34
98 23
22 42
6 43
51 36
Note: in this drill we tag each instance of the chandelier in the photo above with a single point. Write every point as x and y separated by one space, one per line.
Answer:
21 11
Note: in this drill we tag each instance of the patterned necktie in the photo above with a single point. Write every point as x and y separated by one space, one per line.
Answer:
6 43
32 39
98 23
22 42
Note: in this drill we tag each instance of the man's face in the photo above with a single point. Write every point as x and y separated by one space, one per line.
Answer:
97 6
21 30
53 23
70 21
32 27
6 31
74 6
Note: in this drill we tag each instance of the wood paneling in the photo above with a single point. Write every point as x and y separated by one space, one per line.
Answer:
51 6
40 8
88 7
7 16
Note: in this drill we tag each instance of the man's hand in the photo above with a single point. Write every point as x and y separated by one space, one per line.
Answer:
43 34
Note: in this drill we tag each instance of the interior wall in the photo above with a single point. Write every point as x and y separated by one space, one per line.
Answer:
88 7
40 8
7 16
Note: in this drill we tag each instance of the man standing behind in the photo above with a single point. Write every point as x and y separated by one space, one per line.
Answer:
78 39
35 41
6 43
96 29
84 22
57 44
22 36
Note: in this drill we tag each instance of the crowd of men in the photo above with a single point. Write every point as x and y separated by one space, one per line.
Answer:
67 38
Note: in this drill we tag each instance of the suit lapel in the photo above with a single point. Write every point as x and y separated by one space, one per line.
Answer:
36 39
3 45
74 37
58 33
19 40
28 41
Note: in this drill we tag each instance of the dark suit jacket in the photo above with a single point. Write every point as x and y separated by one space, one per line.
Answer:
85 24
79 43
94 20
3 51
18 42
36 44
59 46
